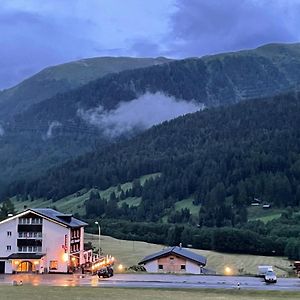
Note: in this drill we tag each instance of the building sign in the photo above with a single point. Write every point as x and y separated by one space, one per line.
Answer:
65 245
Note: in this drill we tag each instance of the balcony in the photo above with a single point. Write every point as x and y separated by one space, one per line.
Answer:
31 235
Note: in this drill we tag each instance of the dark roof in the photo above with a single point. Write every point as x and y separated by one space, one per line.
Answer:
25 256
177 251
65 219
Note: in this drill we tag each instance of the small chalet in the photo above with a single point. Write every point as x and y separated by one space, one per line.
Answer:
174 260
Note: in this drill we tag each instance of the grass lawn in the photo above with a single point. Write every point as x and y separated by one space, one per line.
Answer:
188 203
90 293
264 215
129 253
75 203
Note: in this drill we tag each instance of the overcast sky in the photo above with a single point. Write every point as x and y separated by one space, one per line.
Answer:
39 33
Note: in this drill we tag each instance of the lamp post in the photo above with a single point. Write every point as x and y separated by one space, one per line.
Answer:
99 234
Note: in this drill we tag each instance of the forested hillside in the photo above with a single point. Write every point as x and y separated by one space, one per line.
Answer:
62 78
222 157
73 123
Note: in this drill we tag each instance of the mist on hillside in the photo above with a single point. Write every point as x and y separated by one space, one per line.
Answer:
140 113
1 131
51 127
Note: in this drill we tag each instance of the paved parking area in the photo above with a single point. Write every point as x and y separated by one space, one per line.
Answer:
154 280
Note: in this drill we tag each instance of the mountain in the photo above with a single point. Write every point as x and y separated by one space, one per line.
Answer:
109 109
222 158
65 77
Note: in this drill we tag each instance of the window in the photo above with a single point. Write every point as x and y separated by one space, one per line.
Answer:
53 265
182 267
160 267
8 233
8 247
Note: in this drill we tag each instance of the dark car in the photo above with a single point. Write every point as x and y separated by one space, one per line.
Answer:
270 277
106 272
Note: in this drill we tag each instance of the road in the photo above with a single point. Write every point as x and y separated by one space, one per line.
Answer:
155 281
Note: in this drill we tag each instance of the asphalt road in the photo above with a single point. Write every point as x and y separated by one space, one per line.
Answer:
155 281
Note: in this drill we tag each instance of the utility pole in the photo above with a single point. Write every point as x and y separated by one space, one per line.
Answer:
99 235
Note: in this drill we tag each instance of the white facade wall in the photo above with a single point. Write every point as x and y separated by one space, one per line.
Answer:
56 240
152 266
192 268
5 240
53 242
81 255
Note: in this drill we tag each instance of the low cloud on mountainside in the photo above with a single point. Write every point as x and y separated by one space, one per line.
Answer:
51 127
143 112
1 131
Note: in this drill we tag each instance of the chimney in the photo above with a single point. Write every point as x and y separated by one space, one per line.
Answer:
180 246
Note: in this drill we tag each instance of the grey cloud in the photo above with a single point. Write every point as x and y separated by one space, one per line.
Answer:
33 41
142 113
52 126
2 132
205 27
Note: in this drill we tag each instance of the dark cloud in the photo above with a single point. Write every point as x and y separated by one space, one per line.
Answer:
30 41
34 36
209 26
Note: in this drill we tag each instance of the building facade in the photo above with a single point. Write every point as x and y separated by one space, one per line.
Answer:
41 241
174 260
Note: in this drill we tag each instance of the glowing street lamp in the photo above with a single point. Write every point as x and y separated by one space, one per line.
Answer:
99 230
228 271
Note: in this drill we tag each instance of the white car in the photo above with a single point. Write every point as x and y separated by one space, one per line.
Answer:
270 277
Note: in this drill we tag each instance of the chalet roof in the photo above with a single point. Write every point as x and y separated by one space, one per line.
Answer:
66 219
182 252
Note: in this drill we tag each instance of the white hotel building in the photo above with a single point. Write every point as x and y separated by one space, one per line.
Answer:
41 241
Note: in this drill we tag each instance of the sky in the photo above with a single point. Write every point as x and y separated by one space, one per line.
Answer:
40 33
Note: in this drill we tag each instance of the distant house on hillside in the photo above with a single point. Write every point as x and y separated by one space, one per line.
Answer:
174 260
266 206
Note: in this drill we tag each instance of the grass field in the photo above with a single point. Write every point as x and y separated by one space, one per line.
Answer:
188 203
129 253
75 203
264 215
89 293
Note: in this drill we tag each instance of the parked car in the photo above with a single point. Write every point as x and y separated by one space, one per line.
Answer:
106 272
270 277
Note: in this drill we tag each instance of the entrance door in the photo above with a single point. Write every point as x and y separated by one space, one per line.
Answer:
2 267
25 267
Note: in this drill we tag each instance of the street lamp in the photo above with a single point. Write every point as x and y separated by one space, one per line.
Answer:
97 223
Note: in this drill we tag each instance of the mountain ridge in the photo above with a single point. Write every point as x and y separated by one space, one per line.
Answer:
48 130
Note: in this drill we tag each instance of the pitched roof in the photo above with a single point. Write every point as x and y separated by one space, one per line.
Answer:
66 219
177 251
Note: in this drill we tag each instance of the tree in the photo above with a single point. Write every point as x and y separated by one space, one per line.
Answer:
6 209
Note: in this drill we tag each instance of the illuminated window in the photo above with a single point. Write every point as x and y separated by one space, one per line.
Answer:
53 265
